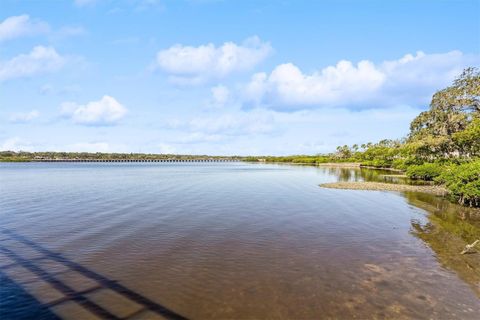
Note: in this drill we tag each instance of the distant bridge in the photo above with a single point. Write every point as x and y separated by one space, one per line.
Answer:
138 160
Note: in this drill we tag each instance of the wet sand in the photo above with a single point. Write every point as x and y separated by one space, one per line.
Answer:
380 186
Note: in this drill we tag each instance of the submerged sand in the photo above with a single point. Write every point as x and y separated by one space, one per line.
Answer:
380 186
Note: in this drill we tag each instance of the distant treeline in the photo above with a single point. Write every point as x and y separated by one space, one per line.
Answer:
443 145
22 156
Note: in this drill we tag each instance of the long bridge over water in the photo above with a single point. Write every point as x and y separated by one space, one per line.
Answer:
139 160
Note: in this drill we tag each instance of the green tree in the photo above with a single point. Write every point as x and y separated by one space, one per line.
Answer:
452 110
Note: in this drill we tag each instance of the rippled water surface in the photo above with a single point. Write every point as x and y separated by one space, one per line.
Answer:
223 241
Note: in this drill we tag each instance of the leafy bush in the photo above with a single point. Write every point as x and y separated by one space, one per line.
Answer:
323 159
308 160
463 182
426 171
378 163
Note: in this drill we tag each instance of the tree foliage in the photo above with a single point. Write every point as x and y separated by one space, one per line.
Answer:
463 182
450 128
447 135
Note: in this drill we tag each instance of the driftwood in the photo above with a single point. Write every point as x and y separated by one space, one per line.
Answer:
469 247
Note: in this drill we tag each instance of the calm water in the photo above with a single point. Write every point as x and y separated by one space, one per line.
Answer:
227 241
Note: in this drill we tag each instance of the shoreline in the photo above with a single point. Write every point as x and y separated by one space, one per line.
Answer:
351 165
340 164
381 186
382 168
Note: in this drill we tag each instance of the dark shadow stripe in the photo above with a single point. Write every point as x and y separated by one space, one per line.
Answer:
18 304
83 293
66 290
107 283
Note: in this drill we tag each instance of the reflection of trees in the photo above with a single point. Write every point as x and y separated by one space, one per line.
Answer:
358 174
345 174
371 175
463 220
374 175
348 174
342 174
448 229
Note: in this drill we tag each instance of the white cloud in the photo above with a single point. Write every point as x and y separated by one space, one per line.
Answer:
192 65
409 80
273 132
300 132
220 96
23 25
20 26
24 117
16 144
105 111
40 60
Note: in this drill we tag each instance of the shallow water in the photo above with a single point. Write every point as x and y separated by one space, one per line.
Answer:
224 241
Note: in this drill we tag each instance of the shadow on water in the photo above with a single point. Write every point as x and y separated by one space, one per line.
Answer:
290 251
16 303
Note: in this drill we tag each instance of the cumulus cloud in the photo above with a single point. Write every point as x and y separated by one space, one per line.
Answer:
24 117
308 131
409 80
23 25
40 60
20 26
193 65
106 111
220 96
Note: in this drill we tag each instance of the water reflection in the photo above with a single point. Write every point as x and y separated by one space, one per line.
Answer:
230 241
448 229
365 174
449 226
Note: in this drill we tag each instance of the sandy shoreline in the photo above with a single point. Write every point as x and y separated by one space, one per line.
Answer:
379 186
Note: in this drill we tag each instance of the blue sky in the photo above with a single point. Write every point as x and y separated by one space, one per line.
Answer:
224 77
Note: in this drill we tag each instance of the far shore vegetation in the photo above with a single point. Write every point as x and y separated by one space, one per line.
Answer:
443 146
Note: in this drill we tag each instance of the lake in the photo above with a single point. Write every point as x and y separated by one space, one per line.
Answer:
226 241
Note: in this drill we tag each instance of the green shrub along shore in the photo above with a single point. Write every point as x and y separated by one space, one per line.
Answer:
443 145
